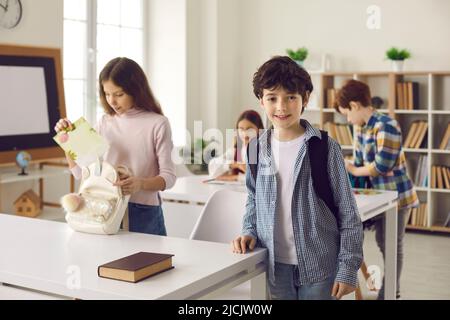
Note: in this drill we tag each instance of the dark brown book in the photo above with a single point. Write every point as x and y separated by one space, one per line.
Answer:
446 179
445 139
136 267
423 133
399 96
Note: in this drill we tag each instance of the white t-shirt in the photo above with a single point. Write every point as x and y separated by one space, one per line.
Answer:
285 154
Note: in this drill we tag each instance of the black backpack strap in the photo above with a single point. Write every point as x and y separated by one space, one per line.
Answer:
318 158
252 158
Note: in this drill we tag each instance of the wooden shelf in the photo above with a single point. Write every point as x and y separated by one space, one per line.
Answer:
431 229
402 111
35 174
421 189
410 150
440 190
444 112
439 151
312 109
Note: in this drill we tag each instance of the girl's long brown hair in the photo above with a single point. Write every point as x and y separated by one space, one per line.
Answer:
253 117
128 75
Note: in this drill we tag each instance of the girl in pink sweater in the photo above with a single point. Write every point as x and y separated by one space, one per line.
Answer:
140 138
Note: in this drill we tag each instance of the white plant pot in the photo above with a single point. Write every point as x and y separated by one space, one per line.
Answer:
299 62
397 65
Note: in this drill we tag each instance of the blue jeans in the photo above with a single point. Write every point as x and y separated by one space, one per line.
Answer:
287 286
380 238
146 219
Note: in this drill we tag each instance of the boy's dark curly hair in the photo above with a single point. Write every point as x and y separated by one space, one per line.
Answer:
282 71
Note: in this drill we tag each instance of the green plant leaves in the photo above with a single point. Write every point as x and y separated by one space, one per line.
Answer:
299 55
396 54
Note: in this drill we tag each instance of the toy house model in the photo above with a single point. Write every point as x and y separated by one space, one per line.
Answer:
28 204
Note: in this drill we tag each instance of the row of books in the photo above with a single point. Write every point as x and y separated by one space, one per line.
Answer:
421 176
445 143
440 177
407 95
419 216
340 132
416 135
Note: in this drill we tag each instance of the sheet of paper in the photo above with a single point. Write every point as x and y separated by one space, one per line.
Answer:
83 144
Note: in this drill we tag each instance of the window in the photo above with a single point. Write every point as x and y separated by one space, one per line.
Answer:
95 32
74 57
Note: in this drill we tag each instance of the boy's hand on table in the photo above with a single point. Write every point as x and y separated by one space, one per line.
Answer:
239 245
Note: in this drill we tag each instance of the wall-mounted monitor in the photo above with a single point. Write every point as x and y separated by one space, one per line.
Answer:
31 101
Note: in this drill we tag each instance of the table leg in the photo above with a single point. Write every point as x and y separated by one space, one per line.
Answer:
390 262
258 287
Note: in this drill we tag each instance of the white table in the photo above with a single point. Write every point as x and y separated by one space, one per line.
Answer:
191 191
50 257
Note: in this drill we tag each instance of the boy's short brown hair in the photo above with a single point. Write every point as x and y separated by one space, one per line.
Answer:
353 90
282 71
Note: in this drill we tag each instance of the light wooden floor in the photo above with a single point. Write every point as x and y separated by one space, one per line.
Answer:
426 269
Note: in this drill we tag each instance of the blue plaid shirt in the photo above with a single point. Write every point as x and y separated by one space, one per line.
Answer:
325 246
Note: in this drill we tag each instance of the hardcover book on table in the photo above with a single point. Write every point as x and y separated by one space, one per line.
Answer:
136 267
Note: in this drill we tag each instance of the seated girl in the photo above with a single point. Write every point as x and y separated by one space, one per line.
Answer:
230 166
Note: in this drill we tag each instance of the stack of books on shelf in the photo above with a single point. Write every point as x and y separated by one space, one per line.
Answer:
419 216
440 177
445 143
407 95
421 177
331 101
416 135
340 132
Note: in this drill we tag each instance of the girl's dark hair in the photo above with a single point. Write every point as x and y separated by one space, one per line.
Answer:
353 90
282 71
128 75
253 117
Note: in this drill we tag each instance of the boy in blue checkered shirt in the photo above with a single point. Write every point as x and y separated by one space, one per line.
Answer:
314 244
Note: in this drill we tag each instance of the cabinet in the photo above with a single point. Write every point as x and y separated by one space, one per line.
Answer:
38 172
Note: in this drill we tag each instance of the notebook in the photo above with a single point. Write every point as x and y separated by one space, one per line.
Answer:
83 144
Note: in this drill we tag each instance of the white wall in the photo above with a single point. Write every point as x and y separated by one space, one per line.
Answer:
339 29
41 25
166 40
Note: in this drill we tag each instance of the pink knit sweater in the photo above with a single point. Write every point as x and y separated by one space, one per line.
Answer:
142 141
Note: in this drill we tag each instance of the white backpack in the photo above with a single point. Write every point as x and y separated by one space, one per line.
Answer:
102 205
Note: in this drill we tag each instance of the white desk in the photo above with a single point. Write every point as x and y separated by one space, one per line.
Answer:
192 191
48 256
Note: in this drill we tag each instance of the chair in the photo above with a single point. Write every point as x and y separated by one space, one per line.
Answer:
221 221
221 218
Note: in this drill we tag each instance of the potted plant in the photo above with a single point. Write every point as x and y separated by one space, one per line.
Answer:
197 156
298 55
397 57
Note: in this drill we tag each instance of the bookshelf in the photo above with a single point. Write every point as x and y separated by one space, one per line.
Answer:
428 102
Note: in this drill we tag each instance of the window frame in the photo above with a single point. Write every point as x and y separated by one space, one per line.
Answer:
91 101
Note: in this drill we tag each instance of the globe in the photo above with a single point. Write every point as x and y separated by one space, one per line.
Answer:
23 158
